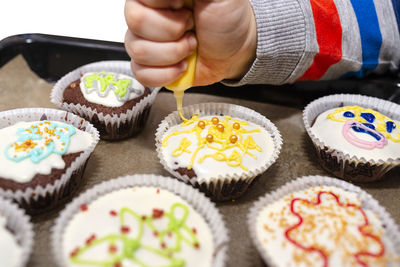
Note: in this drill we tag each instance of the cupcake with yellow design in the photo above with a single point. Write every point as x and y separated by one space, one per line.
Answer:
219 148
356 137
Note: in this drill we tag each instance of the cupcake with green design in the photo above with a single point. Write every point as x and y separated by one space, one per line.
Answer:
108 95
141 220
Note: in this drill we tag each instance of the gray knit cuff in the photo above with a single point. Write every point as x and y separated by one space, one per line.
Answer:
281 42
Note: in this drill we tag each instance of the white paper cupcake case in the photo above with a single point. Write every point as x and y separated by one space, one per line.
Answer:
335 161
19 223
113 127
38 199
196 199
302 183
221 187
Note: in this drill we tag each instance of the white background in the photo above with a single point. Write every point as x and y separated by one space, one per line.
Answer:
91 19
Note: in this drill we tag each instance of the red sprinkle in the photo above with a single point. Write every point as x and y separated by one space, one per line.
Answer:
163 245
90 239
144 217
157 213
74 252
118 264
196 245
125 229
158 191
112 249
169 234
155 233
194 231
84 207
113 213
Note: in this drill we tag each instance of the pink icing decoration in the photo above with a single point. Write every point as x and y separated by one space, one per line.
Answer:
351 138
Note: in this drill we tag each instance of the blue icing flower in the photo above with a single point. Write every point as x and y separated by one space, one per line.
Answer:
348 114
390 126
361 130
369 117
39 141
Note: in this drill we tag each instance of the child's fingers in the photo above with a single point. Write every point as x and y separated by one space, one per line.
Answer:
160 25
158 76
175 4
157 54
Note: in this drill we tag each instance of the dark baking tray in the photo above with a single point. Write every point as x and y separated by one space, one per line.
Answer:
51 57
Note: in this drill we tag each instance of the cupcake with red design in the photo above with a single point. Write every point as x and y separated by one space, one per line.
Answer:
219 148
106 94
146 220
356 137
322 221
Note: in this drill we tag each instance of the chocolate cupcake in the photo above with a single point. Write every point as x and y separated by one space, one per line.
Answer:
322 221
44 154
356 137
221 149
16 235
106 94
146 220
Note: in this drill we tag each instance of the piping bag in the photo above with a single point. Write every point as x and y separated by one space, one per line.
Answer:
186 80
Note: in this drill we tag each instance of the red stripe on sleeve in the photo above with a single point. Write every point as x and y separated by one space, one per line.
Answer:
329 37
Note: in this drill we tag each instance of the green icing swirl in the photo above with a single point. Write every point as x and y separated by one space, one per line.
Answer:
105 81
130 245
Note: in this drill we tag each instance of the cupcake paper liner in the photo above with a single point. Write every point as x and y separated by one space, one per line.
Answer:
196 199
111 127
338 163
19 223
39 199
221 187
302 183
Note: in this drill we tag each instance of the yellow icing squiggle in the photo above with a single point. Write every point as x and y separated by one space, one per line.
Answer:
221 133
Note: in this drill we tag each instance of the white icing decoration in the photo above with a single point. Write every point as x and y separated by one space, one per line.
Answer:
106 98
10 250
142 200
330 133
281 251
210 168
25 170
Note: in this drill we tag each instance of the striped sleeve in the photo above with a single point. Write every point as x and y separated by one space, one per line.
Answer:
301 40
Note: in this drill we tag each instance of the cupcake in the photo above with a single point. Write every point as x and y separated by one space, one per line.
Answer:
322 221
356 137
221 149
106 94
43 155
16 235
146 220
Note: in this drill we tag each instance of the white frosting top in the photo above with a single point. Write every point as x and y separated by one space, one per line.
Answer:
11 145
109 97
10 250
101 231
330 132
253 148
330 228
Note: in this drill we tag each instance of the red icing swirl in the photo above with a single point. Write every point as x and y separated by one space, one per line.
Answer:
361 229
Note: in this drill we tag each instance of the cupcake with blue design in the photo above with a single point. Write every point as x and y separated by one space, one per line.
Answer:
356 137
43 156
106 94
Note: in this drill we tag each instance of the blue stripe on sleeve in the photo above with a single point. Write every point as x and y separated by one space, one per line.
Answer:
396 8
370 34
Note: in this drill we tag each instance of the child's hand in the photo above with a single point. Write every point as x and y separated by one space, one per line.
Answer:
160 37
